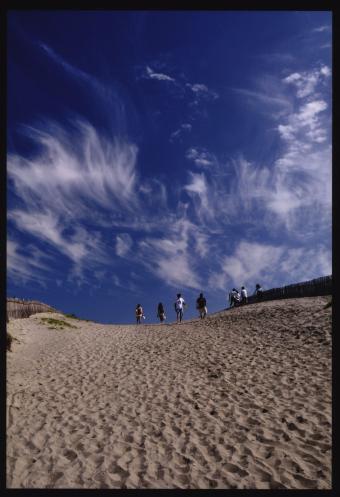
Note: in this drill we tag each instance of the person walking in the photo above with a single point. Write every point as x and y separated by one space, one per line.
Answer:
201 306
179 303
139 313
161 312
244 296
258 291
234 297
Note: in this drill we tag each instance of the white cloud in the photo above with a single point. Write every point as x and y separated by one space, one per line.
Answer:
123 244
178 134
264 98
197 185
78 245
253 262
201 91
178 256
68 183
308 111
285 195
202 243
304 127
286 131
27 264
199 190
105 92
169 258
81 179
303 171
159 76
268 97
325 71
80 165
307 81
201 156
154 192
321 29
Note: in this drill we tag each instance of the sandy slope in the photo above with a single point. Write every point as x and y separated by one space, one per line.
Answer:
240 400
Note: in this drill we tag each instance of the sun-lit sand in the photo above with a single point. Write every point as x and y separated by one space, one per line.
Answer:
241 399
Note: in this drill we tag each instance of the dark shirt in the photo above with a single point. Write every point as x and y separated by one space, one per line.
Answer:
201 302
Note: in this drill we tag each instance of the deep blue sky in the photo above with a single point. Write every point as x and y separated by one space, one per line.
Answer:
151 153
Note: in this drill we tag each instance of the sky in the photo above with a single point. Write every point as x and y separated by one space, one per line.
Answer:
151 153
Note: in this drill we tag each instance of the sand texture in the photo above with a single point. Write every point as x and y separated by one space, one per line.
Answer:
241 399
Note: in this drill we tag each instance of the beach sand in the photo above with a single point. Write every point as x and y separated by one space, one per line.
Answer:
241 400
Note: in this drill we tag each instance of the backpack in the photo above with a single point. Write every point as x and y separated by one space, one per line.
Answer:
201 302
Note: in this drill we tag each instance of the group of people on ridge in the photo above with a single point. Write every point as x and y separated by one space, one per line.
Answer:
179 305
236 297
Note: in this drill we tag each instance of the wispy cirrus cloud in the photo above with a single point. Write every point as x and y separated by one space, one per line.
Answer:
27 264
76 164
322 29
253 262
195 95
202 92
307 81
201 156
123 244
80 181
71 69
105 92
71 182
170 257
264 98
149 73
198 190
282 193
199 91
177 135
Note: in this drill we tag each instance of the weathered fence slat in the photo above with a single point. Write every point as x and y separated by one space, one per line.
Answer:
17 309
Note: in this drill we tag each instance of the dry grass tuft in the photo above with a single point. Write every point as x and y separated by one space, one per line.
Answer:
57 324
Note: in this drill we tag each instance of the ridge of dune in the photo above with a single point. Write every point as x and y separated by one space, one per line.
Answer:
241 399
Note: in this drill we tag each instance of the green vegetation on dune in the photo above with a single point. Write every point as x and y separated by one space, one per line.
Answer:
73 316
57 324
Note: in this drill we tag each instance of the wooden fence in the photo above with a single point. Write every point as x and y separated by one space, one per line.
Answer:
311 288
17 309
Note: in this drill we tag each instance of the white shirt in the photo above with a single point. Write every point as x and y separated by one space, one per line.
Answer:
244 293
179 303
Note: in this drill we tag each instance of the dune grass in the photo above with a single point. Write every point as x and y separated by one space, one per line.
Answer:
73 316
57 324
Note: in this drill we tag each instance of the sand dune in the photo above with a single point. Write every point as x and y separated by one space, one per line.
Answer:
239 400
